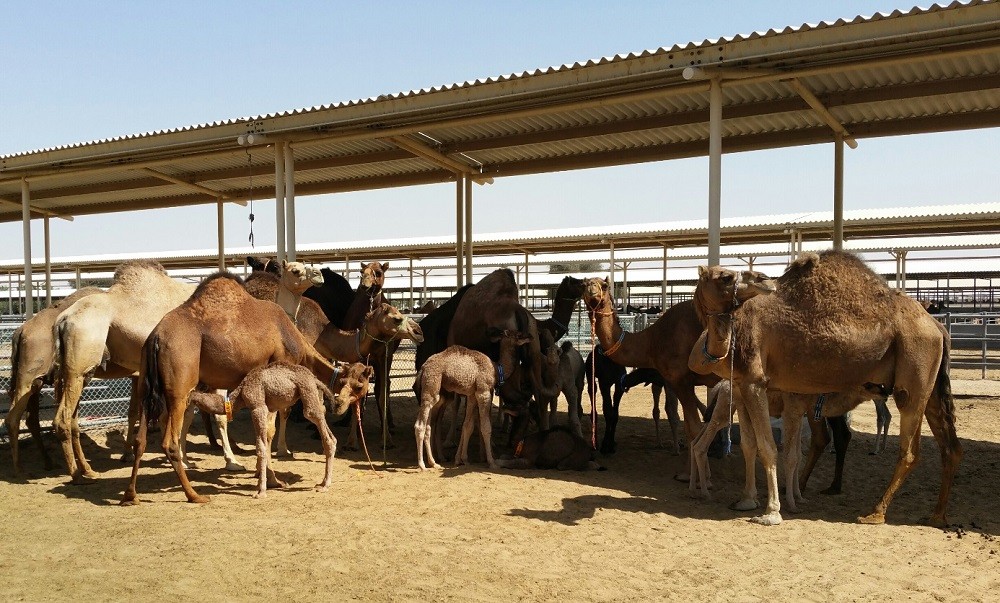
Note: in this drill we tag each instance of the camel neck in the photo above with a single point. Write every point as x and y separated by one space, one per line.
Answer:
289 302
720 336
562 312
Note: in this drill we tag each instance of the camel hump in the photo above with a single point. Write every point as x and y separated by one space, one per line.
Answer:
220 281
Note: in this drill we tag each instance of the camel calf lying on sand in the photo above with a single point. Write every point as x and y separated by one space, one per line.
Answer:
275 387
464 372
555 448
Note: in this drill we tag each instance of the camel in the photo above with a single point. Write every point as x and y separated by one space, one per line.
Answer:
664 346
31 359
275 387
830 325
791 408
571 377
461 371
646 376
554 448
212 340
606 374
106 331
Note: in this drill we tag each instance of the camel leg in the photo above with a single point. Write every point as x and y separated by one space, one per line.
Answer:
692 418
452 439
670 403
354 426
35 427
138 448
314 411
134 401
423 433
748 446
841 440
755 400
573 410
282 449
272 477
818 440
484 402
792 450
942 425
610 408
227 450
185 428
261 427
700 472
468 428
68 431
656 413
21 401
882 420
173 423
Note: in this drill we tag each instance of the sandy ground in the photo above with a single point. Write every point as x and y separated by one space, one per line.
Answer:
629 533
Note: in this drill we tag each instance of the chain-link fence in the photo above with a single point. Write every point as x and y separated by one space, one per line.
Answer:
104 402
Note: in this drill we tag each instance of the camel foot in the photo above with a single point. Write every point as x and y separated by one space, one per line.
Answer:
831 490
609 448
49 466
259 495
234 466
792 508
278 484
84 479
682 477
873 519
699 494
770 519
285 454
936 521
745 504
128 502
321 488
199 499
127 457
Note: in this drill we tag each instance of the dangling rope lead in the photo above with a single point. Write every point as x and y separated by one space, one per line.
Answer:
593 383
250 194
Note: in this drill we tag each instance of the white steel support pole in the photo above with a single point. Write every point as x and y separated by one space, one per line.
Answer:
10 294
412 305
79 282
220 221
48 265
902 270
468 230
625 295
715 172
279 199
838 192
289 202
459 229
663 285
26 226
424 290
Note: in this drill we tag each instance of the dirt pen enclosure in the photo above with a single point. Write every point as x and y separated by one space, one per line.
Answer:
628 533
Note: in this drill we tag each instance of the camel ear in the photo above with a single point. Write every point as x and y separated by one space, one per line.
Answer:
369 372
754 283
494 334
284 265
385 266
702 271
362 266
607 283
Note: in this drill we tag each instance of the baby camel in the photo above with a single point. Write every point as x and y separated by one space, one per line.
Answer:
273 388
464 372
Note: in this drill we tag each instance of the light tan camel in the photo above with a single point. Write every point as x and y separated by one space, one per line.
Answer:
213 339
791 408
664 346
831 325
106 331
275 387
464 372
31 359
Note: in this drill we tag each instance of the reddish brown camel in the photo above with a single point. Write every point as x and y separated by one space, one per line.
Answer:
275 387
464 372
213 339
830 325
31 359
219 335
664 346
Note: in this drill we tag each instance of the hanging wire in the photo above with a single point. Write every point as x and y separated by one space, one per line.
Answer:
250 178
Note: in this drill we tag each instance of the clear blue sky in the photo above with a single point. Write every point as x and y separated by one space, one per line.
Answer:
81 71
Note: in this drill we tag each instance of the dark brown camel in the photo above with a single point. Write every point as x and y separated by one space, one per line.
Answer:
664 345
830 325
213 339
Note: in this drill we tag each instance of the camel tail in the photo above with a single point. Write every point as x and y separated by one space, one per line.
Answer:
154 401
944 383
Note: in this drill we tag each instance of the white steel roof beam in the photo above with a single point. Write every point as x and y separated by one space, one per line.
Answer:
37 210
821 110
190 185
440 159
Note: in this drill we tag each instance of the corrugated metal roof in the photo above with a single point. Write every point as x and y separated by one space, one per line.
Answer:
922 70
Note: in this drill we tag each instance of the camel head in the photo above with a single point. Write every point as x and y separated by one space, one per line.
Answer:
259 265
597 293
297 277
351 386
386 322
373 275
570 288
720 290
514 338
